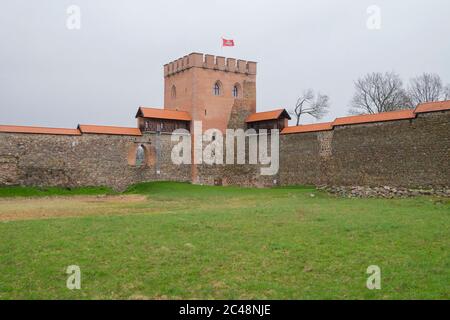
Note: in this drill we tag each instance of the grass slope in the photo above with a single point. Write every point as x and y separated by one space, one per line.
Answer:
192 242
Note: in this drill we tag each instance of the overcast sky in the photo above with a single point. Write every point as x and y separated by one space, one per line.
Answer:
100 74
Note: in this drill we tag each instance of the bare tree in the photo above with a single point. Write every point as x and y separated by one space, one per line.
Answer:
427 87
447 92
315 105
377 92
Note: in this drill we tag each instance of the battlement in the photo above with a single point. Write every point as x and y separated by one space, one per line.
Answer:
208 61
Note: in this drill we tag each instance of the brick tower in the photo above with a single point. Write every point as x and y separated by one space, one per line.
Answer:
209 86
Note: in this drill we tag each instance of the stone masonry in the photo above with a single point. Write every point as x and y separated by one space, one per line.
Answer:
405 153
402 153
86 160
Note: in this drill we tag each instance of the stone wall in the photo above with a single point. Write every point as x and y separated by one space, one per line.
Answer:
300 160
86 160
408 153
403 153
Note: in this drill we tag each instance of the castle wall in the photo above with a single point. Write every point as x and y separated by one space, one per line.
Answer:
401 153
299 159
409 153
406 148
86 160
405 153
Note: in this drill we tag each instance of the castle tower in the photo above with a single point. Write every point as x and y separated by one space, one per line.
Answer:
207 87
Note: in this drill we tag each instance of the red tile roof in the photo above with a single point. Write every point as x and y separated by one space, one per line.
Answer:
260 116
109 130
433 106
267 115
163 114
378 117
39 130
308 128
369 118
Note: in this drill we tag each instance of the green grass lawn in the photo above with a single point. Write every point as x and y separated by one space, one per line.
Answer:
51 191
181 241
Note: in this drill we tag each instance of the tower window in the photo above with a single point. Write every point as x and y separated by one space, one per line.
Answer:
235 91
217 89
173 92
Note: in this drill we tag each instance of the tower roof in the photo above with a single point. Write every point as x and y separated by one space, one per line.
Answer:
163 114
268 115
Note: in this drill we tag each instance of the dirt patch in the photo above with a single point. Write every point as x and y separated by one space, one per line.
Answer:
52 207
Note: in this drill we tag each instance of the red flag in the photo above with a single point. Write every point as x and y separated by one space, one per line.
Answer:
227 43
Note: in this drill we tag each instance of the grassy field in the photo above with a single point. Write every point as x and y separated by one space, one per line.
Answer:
173 241
52 191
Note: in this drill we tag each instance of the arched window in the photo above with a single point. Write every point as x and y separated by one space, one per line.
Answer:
173 92
217 89
236 91
140 155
